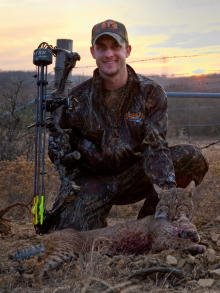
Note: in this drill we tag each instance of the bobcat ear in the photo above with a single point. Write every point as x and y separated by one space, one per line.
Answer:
191 188
158 190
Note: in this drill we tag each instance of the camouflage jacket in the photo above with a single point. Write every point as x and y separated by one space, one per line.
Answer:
111 142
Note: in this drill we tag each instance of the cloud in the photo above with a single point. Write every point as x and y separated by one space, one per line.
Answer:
197 4
152 53
198 71
216 23
191 40
152 30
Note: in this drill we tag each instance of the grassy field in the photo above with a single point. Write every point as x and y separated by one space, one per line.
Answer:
101 273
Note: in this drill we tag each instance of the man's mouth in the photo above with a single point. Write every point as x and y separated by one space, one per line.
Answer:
110 62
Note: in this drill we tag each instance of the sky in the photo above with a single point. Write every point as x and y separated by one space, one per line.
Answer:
168 37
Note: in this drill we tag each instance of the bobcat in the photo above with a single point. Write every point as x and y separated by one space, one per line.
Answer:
176 205
136 236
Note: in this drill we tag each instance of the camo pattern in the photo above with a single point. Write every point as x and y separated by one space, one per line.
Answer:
112 141
123 153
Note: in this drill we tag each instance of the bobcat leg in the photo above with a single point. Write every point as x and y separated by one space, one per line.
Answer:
165 235
175 242
189 246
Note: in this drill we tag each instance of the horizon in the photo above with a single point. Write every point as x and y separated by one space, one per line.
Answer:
90 75
148 75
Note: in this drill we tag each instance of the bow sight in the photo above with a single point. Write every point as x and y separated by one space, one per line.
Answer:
42 57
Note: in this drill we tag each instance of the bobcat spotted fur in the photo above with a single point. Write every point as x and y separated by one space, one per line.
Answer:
136 236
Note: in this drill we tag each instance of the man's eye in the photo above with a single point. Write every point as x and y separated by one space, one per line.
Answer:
101 48
116 46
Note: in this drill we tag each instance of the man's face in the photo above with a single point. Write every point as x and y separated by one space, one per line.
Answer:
110 56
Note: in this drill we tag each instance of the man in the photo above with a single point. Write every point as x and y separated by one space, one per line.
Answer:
118 126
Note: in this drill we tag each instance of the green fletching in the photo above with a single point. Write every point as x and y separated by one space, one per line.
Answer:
41 209
38 209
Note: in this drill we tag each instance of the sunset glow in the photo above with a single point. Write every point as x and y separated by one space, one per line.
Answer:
156 29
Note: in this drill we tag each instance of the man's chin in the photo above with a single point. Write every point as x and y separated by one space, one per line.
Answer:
109 73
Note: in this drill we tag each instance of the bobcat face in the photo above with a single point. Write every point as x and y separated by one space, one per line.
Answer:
175 204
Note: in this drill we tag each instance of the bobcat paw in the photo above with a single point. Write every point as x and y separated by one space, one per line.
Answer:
196 249
187 230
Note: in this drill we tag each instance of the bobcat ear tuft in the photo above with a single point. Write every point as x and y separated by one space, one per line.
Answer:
158 190
191 187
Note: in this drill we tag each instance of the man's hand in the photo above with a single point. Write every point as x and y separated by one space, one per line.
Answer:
45 227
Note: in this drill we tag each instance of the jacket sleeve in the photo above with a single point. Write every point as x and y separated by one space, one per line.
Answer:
158 164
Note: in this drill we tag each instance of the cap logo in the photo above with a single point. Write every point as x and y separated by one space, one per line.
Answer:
109 24
114 28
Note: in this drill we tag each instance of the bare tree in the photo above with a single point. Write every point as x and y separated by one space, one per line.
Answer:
14 137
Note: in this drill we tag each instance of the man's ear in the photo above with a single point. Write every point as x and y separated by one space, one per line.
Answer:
128 50
158 190
191 188
92 52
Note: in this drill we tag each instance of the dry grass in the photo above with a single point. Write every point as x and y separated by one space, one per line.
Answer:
100 273
16 183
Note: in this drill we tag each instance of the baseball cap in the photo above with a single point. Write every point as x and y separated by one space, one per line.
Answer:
112 28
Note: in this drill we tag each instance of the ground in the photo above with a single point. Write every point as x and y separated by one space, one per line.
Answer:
98 273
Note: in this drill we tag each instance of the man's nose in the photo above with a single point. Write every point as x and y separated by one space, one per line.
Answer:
109 52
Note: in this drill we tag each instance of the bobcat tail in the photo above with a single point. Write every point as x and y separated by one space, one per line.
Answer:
28 252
